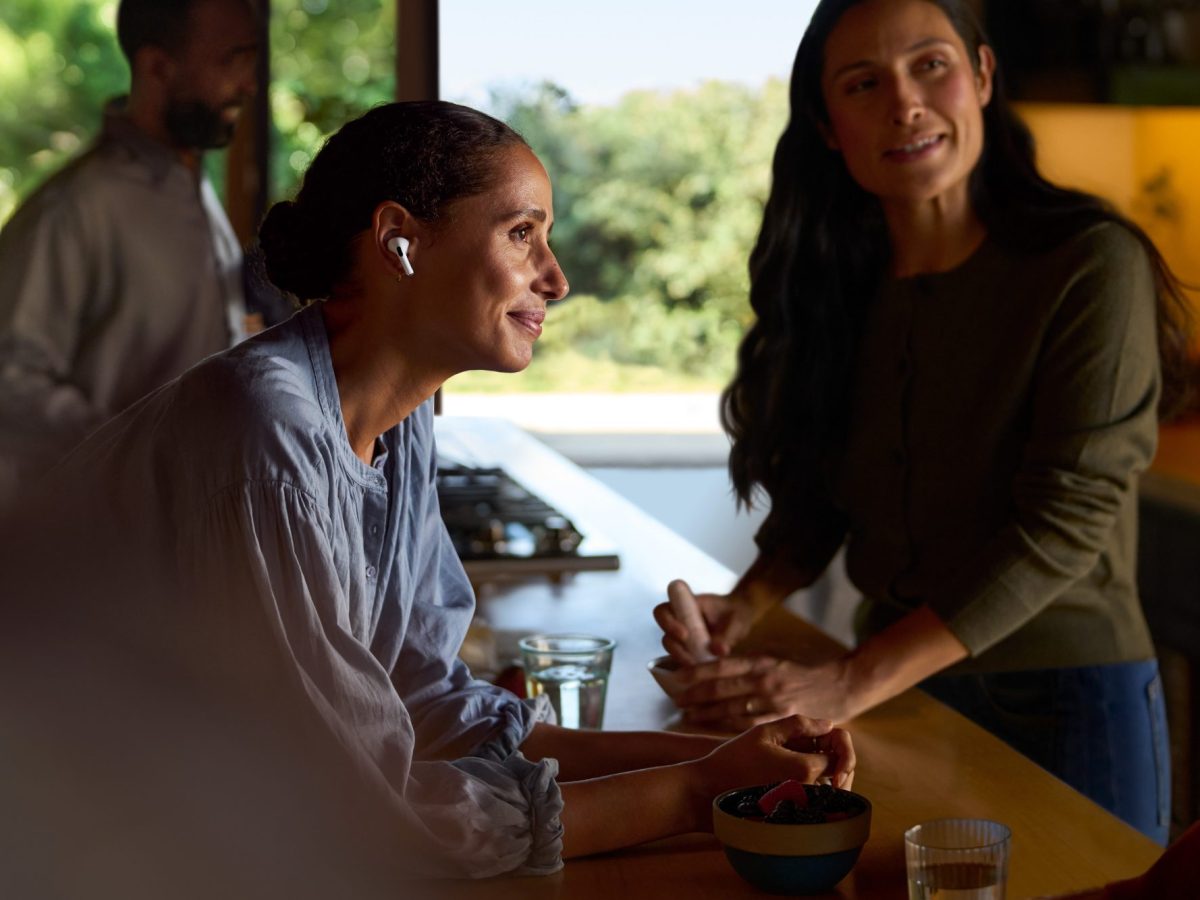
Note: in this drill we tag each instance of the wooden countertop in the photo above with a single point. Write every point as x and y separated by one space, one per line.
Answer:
918 760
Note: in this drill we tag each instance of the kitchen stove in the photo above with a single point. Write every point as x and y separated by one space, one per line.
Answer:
501 528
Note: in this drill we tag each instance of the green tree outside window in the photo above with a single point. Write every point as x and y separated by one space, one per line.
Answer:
658 196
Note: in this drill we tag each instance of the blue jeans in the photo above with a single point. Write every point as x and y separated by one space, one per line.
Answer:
1101 729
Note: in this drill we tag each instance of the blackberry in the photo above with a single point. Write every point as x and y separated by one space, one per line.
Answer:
785 812
747 807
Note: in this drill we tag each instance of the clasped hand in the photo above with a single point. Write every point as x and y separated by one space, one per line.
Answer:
737 692
791 747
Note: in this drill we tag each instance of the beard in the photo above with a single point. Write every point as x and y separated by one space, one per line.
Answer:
196 125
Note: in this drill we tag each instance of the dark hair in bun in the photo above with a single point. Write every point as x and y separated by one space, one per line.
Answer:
421 154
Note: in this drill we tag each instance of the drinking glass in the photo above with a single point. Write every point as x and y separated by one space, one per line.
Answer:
572 670
957 859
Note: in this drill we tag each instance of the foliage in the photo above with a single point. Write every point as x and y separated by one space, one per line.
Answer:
331 60
658 197
59 62
658 200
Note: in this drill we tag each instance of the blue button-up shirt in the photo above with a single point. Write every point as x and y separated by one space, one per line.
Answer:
236 488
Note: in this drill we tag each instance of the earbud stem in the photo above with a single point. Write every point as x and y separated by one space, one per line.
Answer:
399 246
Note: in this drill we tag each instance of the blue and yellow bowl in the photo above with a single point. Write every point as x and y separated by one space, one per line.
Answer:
789 859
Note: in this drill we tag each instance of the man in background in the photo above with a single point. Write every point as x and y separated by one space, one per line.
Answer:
122 270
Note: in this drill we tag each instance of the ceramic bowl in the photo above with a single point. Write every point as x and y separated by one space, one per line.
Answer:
789 859
666 672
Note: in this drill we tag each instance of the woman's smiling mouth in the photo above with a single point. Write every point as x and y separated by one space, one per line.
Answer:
529 319
917 148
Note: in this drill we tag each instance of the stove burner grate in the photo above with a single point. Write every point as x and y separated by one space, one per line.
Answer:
491 517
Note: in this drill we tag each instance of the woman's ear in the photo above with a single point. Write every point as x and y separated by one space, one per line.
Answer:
985 74
394 228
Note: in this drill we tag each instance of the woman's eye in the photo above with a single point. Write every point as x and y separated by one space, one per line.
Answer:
521 233
934 63
862 84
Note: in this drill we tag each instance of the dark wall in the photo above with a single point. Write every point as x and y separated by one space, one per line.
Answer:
1169 584
1103 51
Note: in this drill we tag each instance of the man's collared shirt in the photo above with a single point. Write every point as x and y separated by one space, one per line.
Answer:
117 275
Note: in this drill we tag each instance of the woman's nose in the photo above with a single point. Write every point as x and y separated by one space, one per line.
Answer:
907 103
553 283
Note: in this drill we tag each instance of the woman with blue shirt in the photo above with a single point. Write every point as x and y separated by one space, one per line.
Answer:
269 523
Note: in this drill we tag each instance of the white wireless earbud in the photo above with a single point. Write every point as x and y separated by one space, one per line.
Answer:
399 246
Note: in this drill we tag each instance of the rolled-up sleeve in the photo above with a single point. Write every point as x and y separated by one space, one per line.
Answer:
499 816
261 552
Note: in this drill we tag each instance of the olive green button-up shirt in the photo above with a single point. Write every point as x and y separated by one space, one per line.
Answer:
1002 413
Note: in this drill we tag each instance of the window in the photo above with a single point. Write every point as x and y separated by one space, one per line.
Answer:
657 123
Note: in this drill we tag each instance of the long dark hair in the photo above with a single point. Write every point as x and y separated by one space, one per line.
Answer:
423 154
823 249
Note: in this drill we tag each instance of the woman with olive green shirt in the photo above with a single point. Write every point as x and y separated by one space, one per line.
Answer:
1002 414
956 371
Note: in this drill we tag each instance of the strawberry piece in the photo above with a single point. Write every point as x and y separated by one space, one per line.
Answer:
786 790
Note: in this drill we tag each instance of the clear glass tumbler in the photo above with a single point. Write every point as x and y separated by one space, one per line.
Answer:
957 859
572 670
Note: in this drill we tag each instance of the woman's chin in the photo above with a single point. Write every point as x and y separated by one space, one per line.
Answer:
511 364
518 358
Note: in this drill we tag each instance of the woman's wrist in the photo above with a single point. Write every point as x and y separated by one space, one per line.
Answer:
767 582
862 683
685 787
698 795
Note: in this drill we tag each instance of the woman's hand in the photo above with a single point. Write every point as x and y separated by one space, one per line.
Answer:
793 747
790 747
736 692
601 814
742 691
729 618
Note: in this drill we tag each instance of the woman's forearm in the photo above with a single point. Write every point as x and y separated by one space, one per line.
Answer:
899 657
604 814
591 754
769 580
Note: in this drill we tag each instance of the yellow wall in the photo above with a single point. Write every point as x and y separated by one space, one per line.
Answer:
1118 152
1089 147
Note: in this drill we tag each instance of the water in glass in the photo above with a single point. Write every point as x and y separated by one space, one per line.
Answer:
957 881
576 693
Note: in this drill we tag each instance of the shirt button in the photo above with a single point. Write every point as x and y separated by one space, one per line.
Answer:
374 529
370 571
